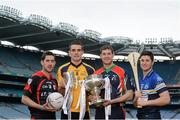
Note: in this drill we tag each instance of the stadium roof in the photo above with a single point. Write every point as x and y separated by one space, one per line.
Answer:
39 32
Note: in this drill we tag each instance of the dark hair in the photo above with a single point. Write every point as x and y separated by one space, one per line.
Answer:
46 53
104 47
76 42
148 53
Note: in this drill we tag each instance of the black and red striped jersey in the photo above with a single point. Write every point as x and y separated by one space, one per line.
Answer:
38 87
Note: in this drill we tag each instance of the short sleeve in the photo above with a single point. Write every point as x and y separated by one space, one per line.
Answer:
59 76
30 86
160 86
128 81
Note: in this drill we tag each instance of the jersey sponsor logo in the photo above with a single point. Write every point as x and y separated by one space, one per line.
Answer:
114 78
144 86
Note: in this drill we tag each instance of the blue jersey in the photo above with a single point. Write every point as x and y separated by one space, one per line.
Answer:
151 86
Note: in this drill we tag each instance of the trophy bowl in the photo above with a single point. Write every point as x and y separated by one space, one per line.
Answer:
93 84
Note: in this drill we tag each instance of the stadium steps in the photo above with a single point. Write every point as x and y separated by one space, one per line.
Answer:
13 111
11 83
8 92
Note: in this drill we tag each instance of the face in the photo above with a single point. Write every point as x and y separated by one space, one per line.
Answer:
76 53
146 63
107 57
48 63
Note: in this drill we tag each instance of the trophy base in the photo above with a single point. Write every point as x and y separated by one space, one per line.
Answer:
97 103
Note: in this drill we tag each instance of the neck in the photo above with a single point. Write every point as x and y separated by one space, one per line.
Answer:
46 73
76 62
146 72
106 66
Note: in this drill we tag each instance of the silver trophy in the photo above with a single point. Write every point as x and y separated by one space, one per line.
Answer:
94 84
70 76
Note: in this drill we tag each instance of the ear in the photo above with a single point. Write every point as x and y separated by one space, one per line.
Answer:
69 53
100 55
82 51
42 62
152 63
113 55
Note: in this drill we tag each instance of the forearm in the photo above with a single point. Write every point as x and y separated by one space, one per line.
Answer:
164 99
27 101
157 102
124 98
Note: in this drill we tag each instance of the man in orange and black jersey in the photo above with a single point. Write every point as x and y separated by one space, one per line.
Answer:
121 88
81 71
38 87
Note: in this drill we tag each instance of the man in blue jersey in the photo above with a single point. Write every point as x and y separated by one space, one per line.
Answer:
121 89
153 90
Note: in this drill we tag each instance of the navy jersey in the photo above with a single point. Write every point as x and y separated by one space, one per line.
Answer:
151 86
37 89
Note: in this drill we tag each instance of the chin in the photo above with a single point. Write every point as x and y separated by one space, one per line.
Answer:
49 71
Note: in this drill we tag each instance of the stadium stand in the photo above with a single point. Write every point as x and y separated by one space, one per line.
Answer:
17 63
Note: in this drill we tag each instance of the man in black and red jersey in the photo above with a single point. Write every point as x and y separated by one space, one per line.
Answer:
38 87
121 88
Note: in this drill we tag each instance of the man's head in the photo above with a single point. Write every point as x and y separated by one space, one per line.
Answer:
48 61
76 51
146 60
107 54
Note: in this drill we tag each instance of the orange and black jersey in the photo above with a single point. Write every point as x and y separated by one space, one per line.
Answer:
120 81
38 87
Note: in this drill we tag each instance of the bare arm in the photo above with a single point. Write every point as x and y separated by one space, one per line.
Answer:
27 101
61 87
136 97
164 99
124 98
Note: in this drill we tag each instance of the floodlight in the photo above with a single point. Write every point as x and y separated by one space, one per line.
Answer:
11 13
66 27
90 34
117 40
39 20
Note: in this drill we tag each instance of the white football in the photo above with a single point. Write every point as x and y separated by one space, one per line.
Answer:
55 100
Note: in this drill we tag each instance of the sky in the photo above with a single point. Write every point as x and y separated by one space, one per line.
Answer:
136 19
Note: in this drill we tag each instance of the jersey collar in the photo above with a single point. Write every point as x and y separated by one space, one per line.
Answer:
42 74
109 68
149 74
76 66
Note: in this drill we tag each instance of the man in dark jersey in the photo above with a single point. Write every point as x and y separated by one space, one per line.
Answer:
121 89
38 87
153 90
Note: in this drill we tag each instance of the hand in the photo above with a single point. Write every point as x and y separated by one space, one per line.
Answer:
93 98
48 107
106 103
138 94
141 101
